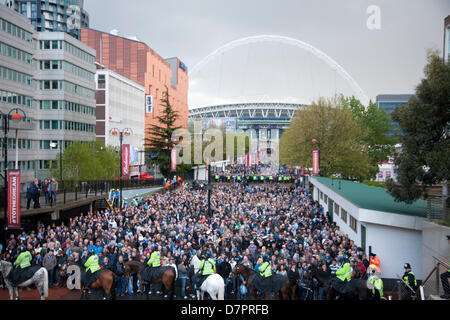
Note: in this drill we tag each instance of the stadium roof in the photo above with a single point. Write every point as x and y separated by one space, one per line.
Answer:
373 198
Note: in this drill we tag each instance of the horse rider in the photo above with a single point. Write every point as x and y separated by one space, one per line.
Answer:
206 268
377 283
22 263
92 267
265 270
154 263
343 277
409 277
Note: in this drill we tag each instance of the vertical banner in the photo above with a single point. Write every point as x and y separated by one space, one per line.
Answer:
173 160
13 199
246 160
315 162
125 160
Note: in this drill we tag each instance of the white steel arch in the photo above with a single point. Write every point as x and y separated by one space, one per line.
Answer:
290 41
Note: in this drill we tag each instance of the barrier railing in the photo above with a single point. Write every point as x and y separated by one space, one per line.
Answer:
432 286
71 190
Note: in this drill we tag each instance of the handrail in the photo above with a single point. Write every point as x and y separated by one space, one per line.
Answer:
442 262
407 285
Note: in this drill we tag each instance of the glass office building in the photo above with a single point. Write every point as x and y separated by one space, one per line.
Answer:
53 15
388 102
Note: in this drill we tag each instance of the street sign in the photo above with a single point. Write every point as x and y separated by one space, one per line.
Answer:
148 104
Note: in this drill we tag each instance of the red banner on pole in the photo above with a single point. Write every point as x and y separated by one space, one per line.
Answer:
173 160
315 162
13 199
125 160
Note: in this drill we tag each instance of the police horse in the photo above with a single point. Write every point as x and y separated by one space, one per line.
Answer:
166 276
357 288
105 280
213 284
280 284
38 278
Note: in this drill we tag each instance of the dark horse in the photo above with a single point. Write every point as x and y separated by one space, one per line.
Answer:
249 276
106 280
167 278
360 292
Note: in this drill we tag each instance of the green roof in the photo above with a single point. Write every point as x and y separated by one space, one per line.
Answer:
373 198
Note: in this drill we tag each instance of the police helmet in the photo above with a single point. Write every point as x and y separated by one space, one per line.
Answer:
407 266
91 251
155 247
266 257
22 248
208 254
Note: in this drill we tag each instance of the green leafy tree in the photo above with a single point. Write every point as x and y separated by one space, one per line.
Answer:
342 151
424 124
375 126
87 161
160 136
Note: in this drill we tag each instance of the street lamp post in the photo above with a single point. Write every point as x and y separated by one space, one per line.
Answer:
318 144
16 115
115 132
209 190
53 145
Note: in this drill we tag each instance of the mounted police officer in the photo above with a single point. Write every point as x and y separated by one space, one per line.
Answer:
153 266
206 268
343 277
92 268
263 283
22 265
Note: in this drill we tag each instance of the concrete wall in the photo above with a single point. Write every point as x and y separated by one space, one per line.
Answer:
394 247
434 244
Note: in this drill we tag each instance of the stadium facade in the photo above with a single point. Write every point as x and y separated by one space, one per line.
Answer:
261 117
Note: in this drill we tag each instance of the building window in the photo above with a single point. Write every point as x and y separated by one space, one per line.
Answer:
344 215
326 199
336 208
353 224
321 195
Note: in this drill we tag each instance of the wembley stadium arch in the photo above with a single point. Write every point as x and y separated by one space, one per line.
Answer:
264 118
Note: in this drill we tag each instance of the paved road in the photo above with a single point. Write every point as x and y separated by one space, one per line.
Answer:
58 293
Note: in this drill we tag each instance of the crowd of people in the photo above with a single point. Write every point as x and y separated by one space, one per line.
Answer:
246 222
48 187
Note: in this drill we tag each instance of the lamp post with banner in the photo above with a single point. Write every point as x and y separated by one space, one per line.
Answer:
126 132
16 115
318 155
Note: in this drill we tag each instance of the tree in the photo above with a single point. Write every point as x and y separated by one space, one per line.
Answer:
160 136
375 125
87 161
424 124
342 151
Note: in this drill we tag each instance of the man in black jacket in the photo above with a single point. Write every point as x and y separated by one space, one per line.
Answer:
224 270
293 276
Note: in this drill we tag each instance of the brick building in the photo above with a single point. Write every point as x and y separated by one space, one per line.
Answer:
138 62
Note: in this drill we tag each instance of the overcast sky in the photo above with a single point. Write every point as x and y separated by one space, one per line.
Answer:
388 60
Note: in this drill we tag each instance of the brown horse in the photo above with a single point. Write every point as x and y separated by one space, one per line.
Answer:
249 276
167 278
107 281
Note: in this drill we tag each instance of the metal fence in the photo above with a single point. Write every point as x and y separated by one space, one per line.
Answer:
432 286
74 190
402 291
438 208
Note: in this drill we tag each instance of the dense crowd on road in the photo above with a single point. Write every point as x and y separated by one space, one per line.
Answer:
246 222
